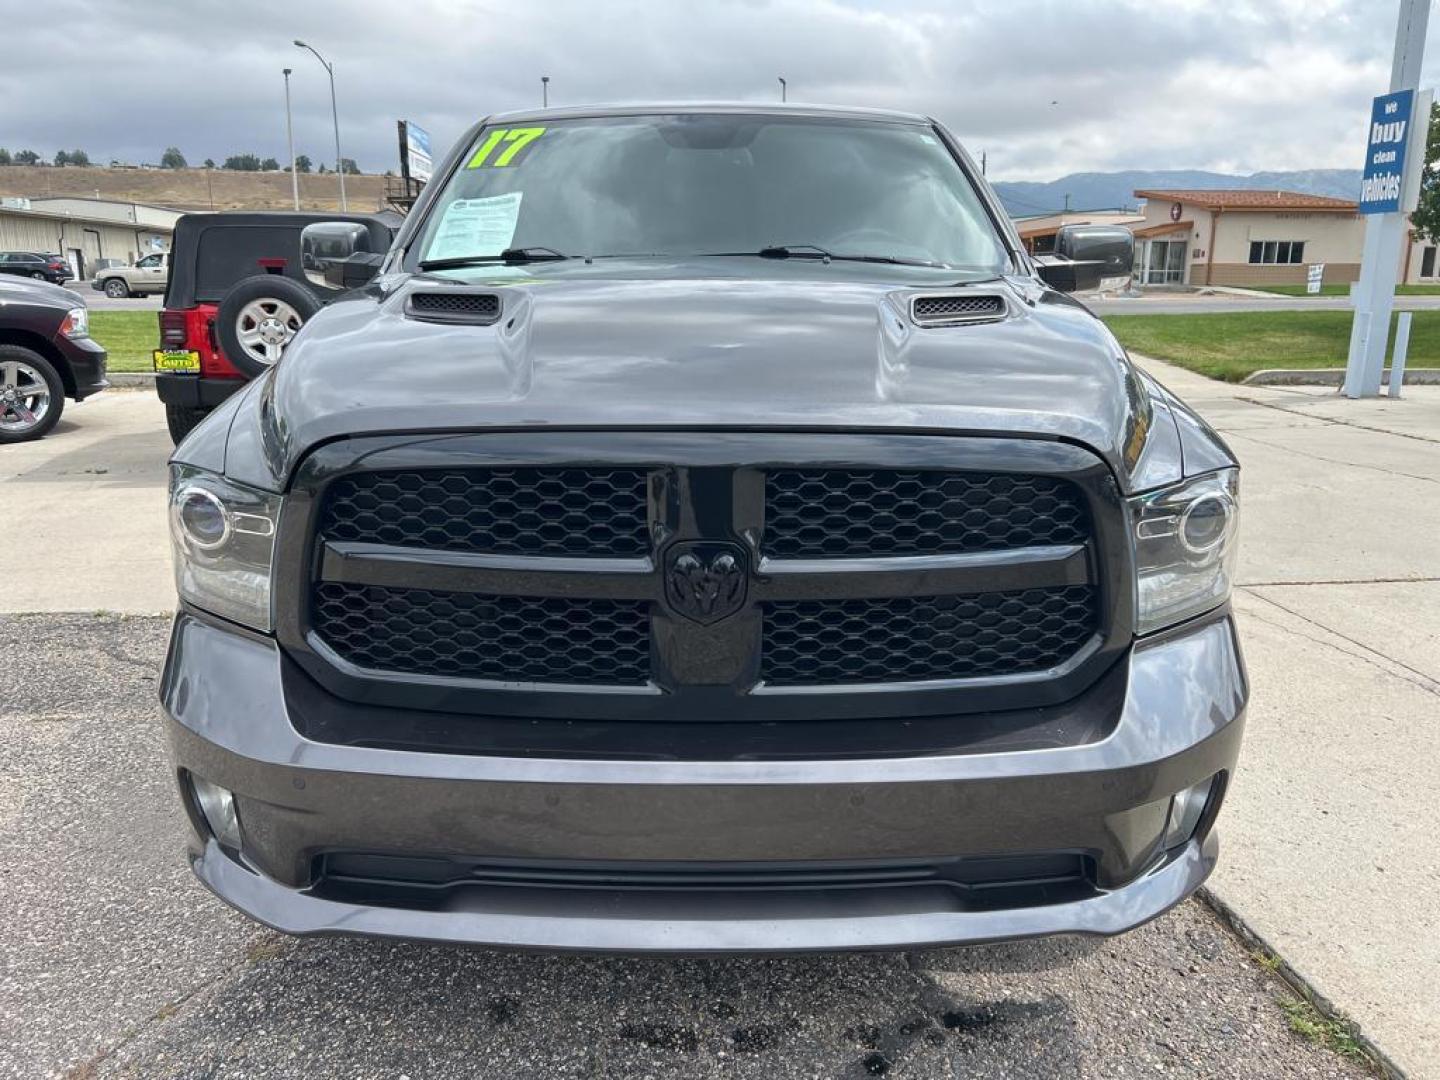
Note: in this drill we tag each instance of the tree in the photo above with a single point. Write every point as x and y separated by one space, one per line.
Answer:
270 165
322 170
242 163
62 158
26 157
349 167
209 163
302 163
79 157
1425 221
173 159
4 156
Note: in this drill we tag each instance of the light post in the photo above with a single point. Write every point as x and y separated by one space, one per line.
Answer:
544 91
334 115
290 140
782 88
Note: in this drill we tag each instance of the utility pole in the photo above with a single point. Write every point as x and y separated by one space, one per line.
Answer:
334 115
290 139
544 91
984 159
782 88
1067 202
1374 296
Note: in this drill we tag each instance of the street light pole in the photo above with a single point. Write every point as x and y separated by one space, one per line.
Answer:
290 139
782 88
544 91
334 115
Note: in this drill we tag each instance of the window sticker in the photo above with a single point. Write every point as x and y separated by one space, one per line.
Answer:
476 227
502 146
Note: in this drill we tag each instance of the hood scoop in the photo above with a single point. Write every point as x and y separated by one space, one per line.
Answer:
458 305
958 309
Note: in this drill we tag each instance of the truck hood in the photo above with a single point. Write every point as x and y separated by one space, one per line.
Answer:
701 351
16 290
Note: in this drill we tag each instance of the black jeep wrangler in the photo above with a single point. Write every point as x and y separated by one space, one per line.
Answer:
709 531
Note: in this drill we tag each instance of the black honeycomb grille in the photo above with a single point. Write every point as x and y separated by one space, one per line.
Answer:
468 307
817 513
826 642
944 308
507 638
591 513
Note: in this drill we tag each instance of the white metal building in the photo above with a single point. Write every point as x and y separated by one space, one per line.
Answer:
84 230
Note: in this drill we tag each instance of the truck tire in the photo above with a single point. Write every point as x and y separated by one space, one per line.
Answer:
116 289
259 317
22 368
181 420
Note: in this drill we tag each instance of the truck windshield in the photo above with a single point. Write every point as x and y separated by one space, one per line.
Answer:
712 184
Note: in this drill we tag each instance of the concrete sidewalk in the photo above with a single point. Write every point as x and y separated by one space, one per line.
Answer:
1329 837
84 527
1328 849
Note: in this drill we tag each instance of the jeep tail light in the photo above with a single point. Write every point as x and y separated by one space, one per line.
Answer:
172 329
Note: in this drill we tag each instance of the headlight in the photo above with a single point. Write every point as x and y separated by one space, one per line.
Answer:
76 323
223 537
1185 541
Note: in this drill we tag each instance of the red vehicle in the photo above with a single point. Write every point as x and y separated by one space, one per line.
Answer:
237 295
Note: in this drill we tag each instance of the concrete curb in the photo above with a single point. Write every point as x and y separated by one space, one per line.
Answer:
131 379
1333 377
1296 981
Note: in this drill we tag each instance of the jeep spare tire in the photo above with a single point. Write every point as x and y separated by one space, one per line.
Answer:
259 317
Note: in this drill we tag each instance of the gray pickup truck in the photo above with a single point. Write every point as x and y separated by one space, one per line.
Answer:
705 529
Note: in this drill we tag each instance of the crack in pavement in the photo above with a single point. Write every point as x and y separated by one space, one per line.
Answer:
1341 581
1421 680
168 1012
1310 455
1341 423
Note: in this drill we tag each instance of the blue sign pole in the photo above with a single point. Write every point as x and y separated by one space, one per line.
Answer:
1390 183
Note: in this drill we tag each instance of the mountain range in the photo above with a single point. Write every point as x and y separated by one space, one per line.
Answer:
1111 190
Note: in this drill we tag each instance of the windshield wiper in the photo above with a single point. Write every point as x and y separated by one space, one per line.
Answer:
814 251
509 256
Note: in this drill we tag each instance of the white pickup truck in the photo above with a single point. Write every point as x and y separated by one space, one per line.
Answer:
148 275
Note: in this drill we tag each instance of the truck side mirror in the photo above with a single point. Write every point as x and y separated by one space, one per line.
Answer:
338 255
1085 255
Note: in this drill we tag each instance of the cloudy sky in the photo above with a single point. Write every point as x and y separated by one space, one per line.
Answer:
1045 87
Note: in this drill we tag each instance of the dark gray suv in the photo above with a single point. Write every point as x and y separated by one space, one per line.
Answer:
704 530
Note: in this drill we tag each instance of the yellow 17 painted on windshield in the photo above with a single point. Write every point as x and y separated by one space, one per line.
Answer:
509 141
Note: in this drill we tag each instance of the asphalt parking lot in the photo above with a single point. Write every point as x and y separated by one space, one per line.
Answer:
116 963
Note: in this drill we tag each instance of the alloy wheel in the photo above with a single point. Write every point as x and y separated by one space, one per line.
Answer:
24 397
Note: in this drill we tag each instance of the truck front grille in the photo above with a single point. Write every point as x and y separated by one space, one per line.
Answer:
814 513
710 576
513 510
464 636
819 642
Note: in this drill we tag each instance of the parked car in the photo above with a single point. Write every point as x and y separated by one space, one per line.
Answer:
708 530
39 265
46 355
236 296
147 277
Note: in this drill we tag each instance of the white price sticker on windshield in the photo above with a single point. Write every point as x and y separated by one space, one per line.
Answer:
476 227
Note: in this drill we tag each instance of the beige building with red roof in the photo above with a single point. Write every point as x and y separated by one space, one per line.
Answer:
1244 237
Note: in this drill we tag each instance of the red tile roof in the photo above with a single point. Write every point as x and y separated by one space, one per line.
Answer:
1241 199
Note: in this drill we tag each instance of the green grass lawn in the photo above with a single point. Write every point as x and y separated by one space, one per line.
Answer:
1233 345
128 336
1344 290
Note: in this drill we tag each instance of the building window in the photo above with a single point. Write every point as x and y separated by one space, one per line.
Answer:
1427 262
1277 252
